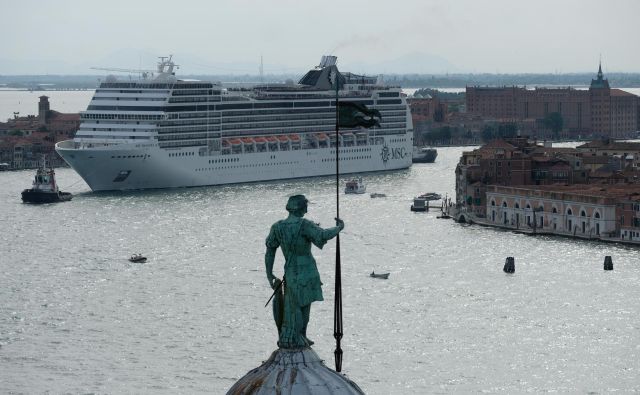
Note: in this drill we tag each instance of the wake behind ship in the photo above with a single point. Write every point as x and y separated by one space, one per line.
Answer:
164 132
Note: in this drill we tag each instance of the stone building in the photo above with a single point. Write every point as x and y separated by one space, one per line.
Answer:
606 212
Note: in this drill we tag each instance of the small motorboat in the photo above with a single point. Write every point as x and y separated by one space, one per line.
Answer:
378 195
137 258
383 276
355 186
430 196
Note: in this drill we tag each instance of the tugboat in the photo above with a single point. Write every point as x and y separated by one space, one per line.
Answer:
424 155
355 186
44 188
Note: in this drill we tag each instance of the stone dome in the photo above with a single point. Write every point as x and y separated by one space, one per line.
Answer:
294 371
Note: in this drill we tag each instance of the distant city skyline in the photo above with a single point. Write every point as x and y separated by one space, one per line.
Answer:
372 37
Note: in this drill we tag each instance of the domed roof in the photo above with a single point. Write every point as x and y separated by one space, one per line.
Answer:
294 371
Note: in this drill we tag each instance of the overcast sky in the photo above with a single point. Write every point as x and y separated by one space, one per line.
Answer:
374 36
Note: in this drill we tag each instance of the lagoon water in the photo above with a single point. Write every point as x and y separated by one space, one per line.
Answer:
77 317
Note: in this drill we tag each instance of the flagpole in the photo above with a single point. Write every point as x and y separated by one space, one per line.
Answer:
337 307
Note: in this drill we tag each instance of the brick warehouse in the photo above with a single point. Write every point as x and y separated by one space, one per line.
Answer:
600 111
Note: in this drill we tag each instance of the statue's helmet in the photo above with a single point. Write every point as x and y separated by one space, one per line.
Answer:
297 203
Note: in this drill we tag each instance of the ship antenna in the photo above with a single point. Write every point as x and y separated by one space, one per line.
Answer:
261 70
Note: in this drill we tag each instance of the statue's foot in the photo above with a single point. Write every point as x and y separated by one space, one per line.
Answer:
309 341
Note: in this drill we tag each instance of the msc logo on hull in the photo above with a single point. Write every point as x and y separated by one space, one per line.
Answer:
394 153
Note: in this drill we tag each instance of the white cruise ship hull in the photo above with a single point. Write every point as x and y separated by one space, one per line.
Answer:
165 132
134 166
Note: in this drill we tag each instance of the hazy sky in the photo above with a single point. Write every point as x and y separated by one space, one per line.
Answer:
376 36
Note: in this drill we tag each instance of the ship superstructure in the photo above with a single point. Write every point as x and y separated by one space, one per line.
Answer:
163 132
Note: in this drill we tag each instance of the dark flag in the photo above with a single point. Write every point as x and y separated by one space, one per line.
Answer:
351 115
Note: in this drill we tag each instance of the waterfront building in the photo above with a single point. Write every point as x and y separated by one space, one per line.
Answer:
599 111
26 152
606 212
23 140
513 162
629 209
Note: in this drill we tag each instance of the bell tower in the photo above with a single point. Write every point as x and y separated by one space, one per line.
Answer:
600 98
43 110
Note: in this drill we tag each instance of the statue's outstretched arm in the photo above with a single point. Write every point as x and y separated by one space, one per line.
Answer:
320 236
330 233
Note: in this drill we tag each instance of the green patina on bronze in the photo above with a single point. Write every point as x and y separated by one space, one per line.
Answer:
301 282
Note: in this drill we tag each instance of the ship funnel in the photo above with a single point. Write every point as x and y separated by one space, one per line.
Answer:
327 61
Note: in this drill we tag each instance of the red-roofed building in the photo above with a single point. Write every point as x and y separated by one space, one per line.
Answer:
23 140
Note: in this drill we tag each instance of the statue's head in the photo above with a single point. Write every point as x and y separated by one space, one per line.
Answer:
297 205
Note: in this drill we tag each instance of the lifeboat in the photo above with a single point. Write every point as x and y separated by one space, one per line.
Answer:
247 140
235 141
260 140
283 138
321 136
272 139
294 137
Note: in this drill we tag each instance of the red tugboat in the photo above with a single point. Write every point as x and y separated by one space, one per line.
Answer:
44 188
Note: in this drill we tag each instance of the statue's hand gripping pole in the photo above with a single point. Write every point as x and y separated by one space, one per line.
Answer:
275 291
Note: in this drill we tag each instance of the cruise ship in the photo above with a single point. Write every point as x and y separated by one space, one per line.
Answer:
160 131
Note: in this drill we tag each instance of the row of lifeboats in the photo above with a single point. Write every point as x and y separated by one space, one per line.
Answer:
282 138
285 138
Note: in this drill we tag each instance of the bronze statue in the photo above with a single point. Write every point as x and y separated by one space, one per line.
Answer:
301 283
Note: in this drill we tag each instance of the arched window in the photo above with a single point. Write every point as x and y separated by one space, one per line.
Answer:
504 204
517 205
555 210
569 212
583 213
597 215
528 206
493 202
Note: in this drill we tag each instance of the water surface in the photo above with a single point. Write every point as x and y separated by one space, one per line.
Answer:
77 317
